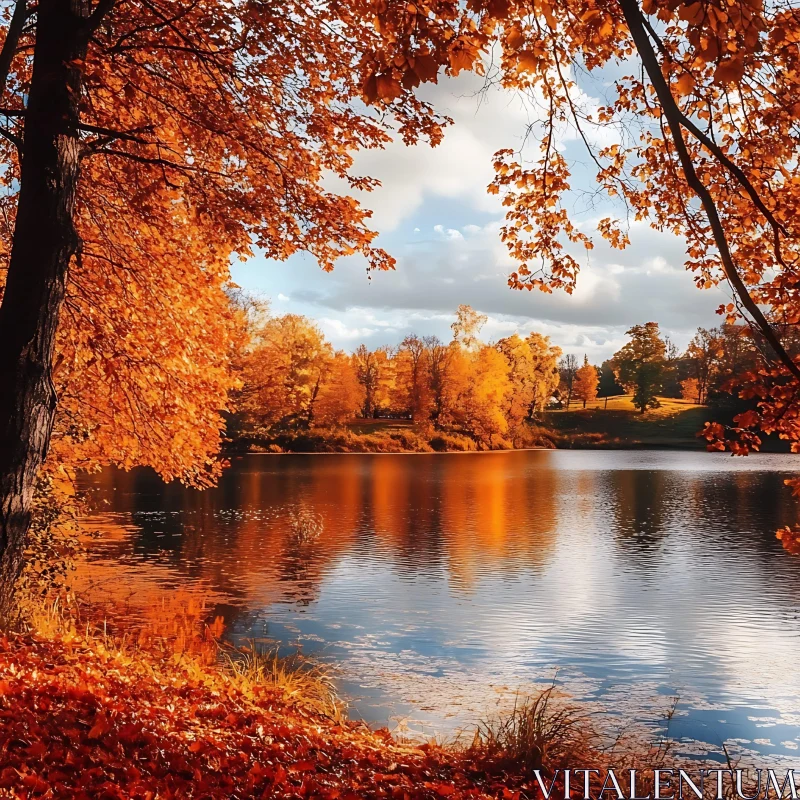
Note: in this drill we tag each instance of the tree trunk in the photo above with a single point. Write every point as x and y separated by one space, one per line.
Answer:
43 246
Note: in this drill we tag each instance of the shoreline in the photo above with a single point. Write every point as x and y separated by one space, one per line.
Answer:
611 448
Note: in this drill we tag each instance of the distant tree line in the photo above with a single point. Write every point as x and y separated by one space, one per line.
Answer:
291 378
649 366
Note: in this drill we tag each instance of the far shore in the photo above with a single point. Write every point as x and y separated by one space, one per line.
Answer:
603 424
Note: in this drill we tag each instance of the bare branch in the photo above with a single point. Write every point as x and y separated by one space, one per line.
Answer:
110 135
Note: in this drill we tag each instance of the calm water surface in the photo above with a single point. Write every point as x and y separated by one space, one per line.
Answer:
440 585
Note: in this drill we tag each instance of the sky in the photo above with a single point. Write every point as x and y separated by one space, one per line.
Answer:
435 217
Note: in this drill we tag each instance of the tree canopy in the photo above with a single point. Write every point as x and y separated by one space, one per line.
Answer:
640 366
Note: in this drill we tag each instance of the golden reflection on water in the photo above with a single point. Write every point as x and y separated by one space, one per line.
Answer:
440 583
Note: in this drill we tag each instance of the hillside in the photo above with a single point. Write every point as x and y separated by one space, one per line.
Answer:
674 424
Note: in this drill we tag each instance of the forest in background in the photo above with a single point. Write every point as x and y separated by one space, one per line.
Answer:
296 392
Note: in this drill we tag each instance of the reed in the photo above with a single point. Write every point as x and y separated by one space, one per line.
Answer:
540 732
299 681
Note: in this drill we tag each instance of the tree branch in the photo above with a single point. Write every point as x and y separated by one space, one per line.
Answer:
102 9
18 20
633 16
13 138
109 134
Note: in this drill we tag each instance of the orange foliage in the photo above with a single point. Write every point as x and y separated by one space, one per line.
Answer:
690 390
586 382
292 379
205 131
707 143
83 719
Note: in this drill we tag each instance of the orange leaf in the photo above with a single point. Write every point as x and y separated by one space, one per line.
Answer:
730 70
388 88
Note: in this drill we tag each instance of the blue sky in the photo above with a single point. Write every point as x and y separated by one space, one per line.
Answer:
435 217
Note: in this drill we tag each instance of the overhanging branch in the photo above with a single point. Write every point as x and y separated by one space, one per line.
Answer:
675 121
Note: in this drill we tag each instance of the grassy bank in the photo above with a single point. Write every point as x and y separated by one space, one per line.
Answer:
612 424
90 713
617 424
388 436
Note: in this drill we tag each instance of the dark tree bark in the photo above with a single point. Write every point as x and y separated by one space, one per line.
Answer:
44 243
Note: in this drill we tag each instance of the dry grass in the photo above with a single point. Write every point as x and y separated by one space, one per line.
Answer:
541 732
306 525
299 681
185 640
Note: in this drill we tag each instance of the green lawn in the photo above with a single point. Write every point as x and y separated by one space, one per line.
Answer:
674 424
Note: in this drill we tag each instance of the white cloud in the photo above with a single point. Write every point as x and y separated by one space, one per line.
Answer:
455 254
459 168
450 233
339 331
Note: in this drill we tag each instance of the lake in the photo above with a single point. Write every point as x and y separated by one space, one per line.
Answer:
442 585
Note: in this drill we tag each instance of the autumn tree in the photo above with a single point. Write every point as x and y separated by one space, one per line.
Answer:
533 373
691 390
478 392
284 369
368 371
670 382
545 359
703 354
608 386
438 361
413 376
144 145
521 376
586 381
341 396
467 327
641 364
738 354
388 389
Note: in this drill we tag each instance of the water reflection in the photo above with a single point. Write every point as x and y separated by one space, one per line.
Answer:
440 584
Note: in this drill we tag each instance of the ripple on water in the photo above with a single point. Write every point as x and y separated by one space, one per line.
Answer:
442 586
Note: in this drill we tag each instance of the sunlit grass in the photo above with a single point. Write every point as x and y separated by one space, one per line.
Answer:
198 649
675 423
624 402
299 681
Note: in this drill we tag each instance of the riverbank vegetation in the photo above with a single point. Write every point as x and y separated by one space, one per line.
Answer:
92 708
86 715
300 395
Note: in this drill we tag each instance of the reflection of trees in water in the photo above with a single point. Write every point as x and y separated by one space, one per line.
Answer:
459 517
501 515
424 515
726 518
637 508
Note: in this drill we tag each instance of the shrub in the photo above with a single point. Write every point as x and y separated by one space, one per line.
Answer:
299 681
444 441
